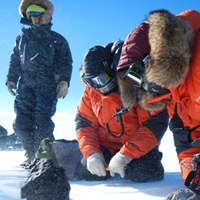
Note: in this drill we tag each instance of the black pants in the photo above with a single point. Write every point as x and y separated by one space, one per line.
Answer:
34 107
145 169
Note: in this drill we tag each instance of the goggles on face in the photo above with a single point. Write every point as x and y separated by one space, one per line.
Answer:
98 81
35 14
135 74
34 11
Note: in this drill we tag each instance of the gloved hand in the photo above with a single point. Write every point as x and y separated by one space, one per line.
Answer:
118 164
11 86
62 89
183 194
96 164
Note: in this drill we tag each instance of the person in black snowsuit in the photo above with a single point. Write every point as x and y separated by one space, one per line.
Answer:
40 70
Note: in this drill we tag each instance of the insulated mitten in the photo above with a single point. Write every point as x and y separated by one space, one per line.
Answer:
62 89
118 164
96 164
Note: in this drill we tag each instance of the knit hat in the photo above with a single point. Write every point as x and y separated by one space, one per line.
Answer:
97 71
96 60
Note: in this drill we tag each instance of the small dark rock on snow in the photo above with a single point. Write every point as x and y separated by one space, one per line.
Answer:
46 181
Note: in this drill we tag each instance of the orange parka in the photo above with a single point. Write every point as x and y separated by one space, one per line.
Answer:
142 130
187 99
186 96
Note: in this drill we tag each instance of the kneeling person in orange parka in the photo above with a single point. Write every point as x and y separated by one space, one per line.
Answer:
110 137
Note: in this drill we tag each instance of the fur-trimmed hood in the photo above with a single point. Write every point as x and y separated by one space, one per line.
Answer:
170 48
46 18
170 40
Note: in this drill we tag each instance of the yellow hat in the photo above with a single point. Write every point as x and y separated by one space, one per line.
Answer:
34 10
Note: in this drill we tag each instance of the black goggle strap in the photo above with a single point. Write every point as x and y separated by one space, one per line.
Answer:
152 87
119 119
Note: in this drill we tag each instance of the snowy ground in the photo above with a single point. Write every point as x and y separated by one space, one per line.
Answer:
12 177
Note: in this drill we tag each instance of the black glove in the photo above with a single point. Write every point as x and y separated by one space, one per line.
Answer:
183 194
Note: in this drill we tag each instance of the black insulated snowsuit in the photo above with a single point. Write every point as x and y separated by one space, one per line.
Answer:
41 58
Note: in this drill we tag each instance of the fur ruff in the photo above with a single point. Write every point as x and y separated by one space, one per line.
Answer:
46 18
128 93
143 96
170 39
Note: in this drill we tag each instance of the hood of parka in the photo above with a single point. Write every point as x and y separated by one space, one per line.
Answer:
46 4
170 40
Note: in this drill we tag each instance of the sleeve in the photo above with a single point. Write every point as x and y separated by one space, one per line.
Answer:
135 46
63 61
87 126
151 129
14 70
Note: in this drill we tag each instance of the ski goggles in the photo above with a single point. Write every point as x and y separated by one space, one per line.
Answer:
98 81
135 74
35 14
34 11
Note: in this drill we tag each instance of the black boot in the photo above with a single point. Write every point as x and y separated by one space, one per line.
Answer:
27 139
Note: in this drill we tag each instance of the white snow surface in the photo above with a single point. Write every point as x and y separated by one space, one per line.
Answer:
12 178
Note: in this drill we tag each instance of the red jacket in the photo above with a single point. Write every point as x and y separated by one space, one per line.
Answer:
186 95
96 109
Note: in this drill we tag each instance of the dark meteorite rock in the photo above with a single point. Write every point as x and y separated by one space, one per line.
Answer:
46 181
